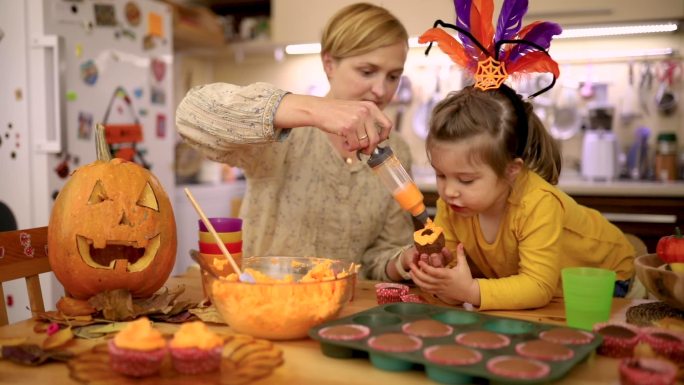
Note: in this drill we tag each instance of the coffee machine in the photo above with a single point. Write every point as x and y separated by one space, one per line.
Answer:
599 146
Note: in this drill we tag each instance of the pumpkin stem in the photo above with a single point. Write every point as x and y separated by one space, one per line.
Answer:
101 144
678 233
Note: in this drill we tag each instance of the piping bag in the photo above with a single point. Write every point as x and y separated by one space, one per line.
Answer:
399 183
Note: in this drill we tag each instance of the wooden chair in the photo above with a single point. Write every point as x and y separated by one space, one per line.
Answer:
23 254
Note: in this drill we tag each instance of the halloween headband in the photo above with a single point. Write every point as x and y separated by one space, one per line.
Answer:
491 56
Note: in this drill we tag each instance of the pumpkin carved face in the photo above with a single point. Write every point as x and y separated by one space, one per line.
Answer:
112 227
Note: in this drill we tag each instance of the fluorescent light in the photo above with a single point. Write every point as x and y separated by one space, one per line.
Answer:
617 30
615 54
302 49
568 33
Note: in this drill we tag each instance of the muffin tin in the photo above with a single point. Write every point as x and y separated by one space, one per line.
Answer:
390 318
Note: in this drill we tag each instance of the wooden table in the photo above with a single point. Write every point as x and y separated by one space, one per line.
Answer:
304 362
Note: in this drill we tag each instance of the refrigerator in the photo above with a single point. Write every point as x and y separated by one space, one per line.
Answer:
66 66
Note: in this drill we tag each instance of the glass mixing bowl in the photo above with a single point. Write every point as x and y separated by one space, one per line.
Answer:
297 294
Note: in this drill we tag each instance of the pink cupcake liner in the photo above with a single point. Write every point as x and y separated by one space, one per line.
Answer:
452 355
434 329
413 298
664 342
135 363
194 360
566 336
518 367
649 371
346 332
502 340
390 292
619 339
527 349
383 342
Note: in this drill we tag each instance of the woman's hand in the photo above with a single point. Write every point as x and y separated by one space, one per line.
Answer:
451 285
362 124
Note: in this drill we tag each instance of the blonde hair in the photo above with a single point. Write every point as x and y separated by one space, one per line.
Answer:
360 28
491 115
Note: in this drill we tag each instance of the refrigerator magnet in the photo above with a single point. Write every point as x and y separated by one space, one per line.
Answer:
85 125
132 12
155 27
161 126
105 15
89 72
138 92
157 96
158 69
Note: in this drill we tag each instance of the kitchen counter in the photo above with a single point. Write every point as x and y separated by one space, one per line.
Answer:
576 186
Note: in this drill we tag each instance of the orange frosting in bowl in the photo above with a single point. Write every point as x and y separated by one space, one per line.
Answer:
283 307
195 335
139 335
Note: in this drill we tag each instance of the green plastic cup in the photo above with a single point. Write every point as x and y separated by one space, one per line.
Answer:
588 293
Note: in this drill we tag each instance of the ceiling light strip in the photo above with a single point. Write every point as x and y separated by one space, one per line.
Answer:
568 33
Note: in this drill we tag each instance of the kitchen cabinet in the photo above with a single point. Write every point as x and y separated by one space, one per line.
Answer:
648 210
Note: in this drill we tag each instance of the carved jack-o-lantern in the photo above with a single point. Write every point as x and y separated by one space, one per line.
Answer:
111 227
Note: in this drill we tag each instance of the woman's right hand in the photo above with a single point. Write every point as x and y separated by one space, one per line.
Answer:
362 124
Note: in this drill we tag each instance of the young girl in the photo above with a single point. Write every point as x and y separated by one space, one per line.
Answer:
511 229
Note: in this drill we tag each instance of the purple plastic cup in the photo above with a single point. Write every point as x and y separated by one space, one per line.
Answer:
222 225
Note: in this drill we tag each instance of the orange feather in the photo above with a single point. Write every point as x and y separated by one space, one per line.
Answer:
534 62
481 25
448 44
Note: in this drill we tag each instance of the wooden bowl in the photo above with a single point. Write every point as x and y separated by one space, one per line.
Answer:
665 285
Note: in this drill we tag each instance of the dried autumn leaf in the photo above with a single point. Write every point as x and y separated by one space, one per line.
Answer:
58 339
74 307
116 305
31 354
57 317
208 314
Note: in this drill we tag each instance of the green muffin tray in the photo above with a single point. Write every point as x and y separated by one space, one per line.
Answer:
389 318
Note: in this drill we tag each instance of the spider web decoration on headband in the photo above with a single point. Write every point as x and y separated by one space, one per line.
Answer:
491 56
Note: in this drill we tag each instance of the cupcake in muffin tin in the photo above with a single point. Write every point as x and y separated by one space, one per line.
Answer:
455 352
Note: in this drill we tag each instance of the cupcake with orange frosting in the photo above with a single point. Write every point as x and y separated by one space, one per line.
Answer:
195 349
429 239
137 350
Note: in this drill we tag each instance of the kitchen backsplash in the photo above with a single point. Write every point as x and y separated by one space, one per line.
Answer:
592 73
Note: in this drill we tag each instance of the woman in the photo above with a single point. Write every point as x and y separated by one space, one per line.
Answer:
307 193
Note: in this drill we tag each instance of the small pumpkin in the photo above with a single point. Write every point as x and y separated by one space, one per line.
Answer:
111 227
429 239
670 249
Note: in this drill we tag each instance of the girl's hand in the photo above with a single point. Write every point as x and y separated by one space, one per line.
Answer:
437 259
450 285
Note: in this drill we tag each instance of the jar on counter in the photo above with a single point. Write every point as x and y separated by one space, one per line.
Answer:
666 156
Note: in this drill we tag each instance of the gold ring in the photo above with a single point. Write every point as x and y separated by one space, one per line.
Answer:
363 137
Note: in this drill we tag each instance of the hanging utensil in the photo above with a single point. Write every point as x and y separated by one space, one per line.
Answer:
645 84
665 98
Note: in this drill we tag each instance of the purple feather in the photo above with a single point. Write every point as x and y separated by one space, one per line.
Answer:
541 34
462 8
510 19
